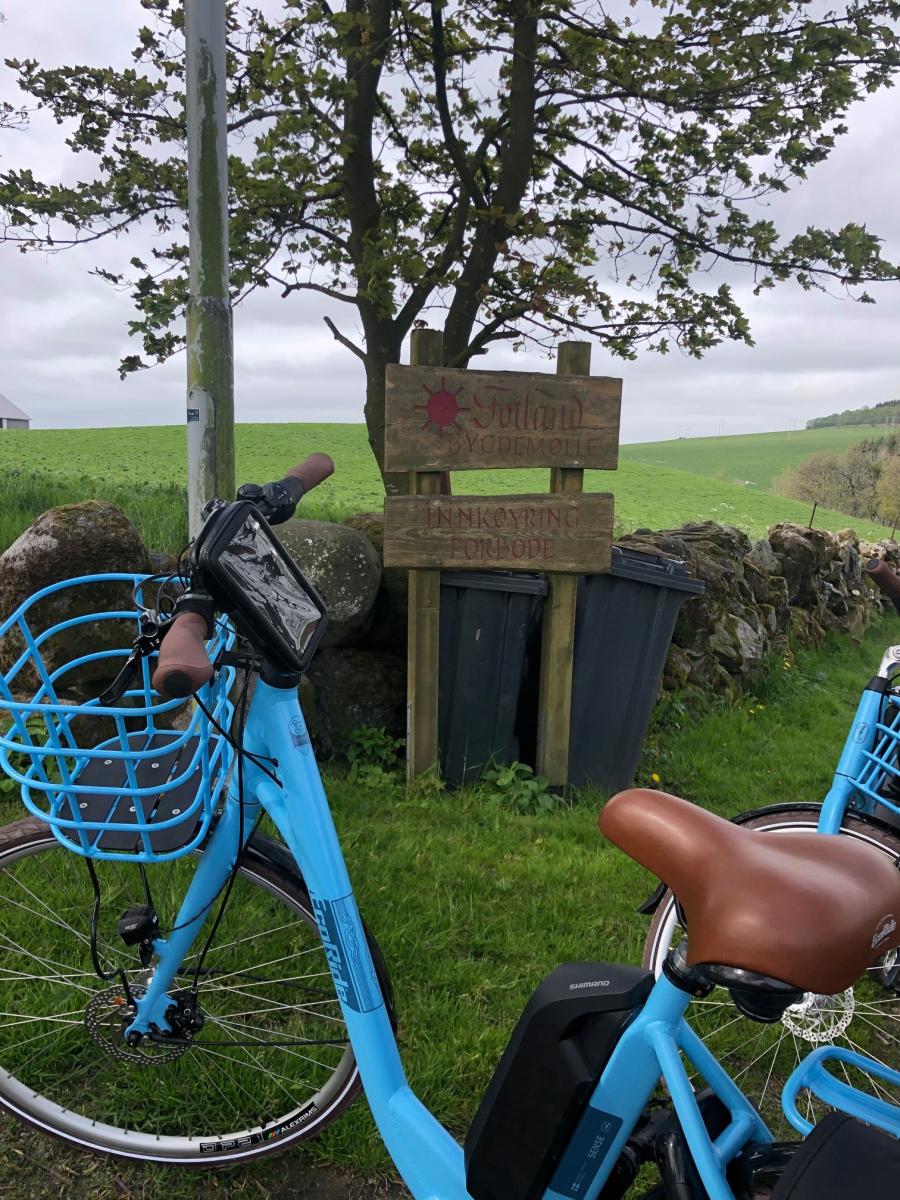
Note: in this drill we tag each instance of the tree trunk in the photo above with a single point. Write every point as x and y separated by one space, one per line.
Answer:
381 350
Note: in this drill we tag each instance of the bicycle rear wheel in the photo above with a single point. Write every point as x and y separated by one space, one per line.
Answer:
271 1065
865 1018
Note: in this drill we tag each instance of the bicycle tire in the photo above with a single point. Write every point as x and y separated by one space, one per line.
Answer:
186 1109
842 1020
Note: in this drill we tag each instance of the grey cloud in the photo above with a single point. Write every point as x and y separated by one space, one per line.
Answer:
63 331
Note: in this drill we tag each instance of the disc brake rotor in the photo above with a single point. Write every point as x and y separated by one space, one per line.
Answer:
820 1019
108 1015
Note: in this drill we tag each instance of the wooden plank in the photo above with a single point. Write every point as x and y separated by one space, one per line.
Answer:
558 642
437 418
500 533
424 609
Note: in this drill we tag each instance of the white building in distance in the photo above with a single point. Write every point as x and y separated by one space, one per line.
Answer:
12 417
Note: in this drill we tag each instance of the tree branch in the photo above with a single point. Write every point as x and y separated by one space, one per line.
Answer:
343 339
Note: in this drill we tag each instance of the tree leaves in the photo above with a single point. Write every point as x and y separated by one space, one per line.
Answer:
534 168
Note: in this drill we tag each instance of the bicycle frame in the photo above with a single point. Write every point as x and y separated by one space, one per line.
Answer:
427 1157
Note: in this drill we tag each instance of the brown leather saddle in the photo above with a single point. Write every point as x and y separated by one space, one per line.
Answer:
811 910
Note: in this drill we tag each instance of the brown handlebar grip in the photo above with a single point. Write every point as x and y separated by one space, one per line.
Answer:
312 471
888 580
184 665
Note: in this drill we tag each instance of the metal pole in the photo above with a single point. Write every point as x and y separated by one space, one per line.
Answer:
210 362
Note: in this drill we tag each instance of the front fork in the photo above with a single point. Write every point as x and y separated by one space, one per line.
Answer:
210 876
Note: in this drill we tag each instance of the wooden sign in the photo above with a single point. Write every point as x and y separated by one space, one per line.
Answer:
567 533
440 419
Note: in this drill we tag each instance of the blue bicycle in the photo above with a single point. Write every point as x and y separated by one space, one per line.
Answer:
175 987
862 804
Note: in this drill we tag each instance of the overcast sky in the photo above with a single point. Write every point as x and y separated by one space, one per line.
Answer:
62 331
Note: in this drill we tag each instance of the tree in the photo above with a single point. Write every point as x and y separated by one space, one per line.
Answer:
529 168
816 480
849 482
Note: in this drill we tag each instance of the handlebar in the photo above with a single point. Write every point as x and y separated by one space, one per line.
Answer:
888 581
184 666
277 501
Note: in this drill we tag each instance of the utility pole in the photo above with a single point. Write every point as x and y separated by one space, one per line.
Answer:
210 358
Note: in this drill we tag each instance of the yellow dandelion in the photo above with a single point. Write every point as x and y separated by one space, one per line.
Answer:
654 778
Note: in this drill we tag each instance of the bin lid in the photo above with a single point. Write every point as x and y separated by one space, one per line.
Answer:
496 581
646 567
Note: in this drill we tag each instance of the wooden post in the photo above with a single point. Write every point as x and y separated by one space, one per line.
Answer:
424 613
555 705
813 514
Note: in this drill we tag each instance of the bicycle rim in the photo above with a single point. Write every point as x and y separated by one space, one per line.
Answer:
270 1066
865 1018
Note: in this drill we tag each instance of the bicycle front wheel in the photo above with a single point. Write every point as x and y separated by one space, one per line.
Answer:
864 1018
269 1064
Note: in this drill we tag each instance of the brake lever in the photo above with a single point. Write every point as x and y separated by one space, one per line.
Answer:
147 642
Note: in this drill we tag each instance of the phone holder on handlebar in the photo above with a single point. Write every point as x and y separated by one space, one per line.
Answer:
252 577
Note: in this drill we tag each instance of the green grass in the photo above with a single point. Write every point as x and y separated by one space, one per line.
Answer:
753 457
157 511
473 904
143 470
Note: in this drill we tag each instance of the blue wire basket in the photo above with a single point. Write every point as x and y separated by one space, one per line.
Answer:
878 779
137 781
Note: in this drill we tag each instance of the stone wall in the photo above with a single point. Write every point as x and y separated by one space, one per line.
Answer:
788 588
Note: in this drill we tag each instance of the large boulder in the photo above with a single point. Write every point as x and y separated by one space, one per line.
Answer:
346 688
344 567
90 538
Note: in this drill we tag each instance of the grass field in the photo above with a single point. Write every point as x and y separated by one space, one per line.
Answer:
473 904
754 458
143 471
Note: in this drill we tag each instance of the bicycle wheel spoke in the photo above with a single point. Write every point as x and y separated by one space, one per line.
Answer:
219 949
242 1030
45 962
49 914
211 1079
777 1048
66 1017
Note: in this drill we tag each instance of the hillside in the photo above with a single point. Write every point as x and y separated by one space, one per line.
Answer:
751 458
143 470
875 414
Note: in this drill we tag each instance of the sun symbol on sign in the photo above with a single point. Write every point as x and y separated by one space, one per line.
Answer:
442 408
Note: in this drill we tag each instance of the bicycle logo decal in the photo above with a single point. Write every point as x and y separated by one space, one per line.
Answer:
299 734
352 971
884 929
